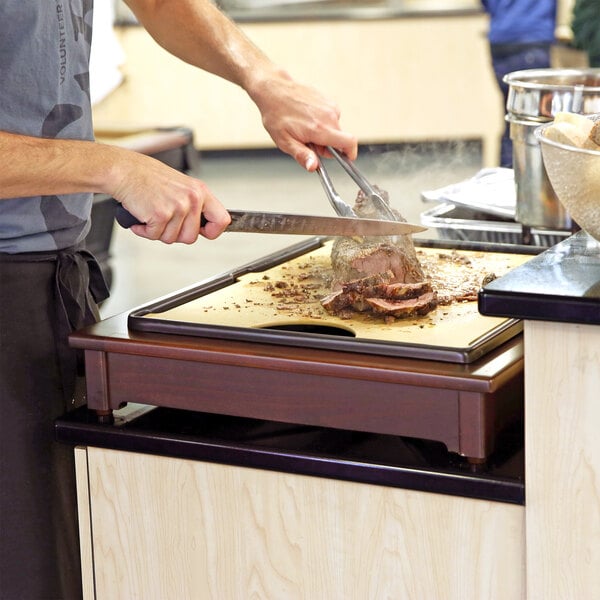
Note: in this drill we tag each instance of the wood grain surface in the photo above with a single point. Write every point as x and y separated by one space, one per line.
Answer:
85 522
177 529
562 417
289 294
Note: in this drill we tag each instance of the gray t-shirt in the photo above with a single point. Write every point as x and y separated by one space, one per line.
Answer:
44 92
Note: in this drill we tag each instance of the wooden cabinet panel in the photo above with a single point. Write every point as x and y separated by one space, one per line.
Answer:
85 523
171 528
562 420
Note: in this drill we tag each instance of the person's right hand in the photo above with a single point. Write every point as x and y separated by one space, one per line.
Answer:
167 202
301 120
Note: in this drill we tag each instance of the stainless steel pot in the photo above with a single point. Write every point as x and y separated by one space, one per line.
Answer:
534 97
539 94
537 203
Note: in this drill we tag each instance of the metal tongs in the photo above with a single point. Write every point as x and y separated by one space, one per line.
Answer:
343 208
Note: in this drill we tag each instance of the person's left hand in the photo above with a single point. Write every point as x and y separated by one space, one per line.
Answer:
301 120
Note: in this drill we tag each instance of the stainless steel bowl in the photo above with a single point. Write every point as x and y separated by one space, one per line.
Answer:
575 176
534 97
538 94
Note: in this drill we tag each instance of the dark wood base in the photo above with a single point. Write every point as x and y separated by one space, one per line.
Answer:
462 406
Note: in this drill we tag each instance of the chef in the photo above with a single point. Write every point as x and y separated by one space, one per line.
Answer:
48 284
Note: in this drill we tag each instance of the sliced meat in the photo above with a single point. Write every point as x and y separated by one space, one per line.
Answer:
404 308
340 300
401 291
360 294
365 284
353 293
335 302
355 259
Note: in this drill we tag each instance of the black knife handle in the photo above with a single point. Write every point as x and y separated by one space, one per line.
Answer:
126 220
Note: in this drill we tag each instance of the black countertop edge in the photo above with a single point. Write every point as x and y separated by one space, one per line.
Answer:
561 284
539 307
448 482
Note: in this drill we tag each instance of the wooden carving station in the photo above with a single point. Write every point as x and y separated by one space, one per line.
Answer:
463 406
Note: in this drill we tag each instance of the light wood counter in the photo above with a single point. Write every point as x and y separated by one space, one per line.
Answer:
562 416
328 503
182 504
558 295
166 528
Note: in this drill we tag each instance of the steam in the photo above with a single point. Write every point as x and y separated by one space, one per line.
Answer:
407 170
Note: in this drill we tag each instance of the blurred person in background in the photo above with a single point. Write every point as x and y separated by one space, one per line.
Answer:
521 35
586 29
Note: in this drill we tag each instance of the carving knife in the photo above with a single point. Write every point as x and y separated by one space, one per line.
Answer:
285 223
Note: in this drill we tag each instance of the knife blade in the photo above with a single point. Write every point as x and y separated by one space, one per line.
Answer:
297 224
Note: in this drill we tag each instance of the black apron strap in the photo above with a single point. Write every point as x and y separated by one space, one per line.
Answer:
79 287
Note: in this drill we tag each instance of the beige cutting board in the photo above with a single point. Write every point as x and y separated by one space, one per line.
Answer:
289 294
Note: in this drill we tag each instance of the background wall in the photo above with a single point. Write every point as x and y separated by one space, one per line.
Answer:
397 80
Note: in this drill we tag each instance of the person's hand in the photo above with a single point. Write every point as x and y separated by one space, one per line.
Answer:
167 202
300 119
296 116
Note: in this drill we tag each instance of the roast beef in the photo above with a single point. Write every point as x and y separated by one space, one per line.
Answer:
404 308
353 258
353 293
377 274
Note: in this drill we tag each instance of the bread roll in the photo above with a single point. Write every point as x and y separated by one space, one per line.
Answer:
567 133
595 135
573 129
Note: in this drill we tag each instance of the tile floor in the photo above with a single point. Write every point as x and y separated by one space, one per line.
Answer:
268 180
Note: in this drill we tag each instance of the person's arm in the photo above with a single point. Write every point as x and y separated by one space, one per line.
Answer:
294 114
168 202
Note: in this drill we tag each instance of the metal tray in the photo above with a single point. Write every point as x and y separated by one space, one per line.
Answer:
460 223
149 318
